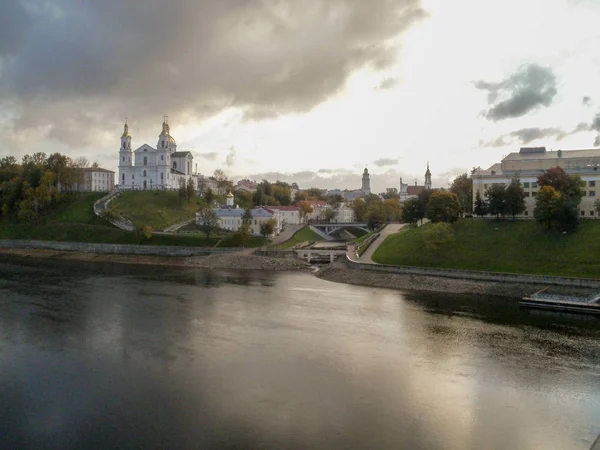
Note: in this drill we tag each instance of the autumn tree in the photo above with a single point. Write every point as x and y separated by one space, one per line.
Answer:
562 205
305 209
547 205
267 228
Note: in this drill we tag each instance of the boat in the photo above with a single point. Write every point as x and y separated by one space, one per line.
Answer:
563 303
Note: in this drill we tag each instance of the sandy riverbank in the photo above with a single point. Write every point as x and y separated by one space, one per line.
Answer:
232 261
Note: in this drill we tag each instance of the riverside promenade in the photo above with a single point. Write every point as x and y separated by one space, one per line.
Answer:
367 256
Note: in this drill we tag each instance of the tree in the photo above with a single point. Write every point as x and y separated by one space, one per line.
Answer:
329 214
496 199
305 209
359 207
181 192
392 209
267 228
547 205
208 220
247 217
480 208
222 181
375 215
411 212
190 190
560 208
390 193
443 207
462 186
208 196
514 197
597 206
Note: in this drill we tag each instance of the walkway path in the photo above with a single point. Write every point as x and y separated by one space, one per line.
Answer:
285 234
391 228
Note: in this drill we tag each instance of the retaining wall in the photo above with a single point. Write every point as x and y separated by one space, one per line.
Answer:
121 249
284 254
477 275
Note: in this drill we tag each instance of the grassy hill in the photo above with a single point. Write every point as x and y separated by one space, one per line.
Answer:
73 220
521 246
159 209
305 234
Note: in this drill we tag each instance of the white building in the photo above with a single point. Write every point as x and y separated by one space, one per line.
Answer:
529 163
96 179
162 167
290 215
230 218
409 192
344 214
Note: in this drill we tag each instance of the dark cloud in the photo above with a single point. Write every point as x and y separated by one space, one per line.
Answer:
388 83
530 88
385 162
527 135
586 100
79 70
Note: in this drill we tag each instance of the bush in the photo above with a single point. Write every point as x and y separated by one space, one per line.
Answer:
438 235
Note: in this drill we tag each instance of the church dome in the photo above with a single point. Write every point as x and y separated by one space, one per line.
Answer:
172 140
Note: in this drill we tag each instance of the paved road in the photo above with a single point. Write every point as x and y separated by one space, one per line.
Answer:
389 229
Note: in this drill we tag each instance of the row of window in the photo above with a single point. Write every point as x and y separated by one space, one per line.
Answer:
234 221
590 194
533 184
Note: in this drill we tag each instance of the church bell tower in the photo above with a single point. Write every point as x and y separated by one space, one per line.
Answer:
427 177
125 162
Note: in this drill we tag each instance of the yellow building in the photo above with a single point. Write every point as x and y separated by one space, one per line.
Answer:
529 163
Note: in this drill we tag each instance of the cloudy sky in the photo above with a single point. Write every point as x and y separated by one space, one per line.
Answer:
310 91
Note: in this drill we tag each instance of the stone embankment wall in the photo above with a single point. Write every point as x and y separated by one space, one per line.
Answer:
477 275
121 249
282 254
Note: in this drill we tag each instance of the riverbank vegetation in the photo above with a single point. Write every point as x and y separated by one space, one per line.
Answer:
519 246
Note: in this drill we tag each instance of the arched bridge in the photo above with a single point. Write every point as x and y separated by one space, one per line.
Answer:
330 228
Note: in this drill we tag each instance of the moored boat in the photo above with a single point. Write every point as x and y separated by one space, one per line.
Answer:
563 303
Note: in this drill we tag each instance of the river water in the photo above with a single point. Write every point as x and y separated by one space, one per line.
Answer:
116 356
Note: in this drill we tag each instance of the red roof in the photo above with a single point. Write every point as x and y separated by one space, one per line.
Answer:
414 190
284 208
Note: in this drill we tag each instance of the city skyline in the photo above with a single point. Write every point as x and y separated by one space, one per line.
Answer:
310 94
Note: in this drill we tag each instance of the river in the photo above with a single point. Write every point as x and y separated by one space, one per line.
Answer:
120 356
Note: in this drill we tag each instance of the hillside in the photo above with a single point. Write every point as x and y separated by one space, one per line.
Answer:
73 220
521 246
159 209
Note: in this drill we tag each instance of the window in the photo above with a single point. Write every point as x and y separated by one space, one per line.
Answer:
526 184
592 184
533 194
591 213
162 157
123 159
534 185
526 194
485 186
174 164
145 160
123 178
161 176
526 213
592 193
144 173
132 176
582 212
162 144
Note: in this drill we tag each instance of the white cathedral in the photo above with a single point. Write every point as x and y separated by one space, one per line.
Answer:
162 167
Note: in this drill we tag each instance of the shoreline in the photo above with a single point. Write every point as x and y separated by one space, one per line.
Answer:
337 272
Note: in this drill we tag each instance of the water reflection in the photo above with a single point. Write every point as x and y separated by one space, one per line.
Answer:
95 355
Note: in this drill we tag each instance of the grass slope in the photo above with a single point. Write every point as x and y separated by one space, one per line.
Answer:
73 220
521 246
155 208
305 234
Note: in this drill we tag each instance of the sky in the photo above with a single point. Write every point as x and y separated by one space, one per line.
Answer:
309 92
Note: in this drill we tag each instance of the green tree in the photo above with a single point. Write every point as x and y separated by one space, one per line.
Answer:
392 209
329 214
411 211
443 207
181 192
359 207
597 206
247 217
570 190
462 186
267 228
496 199
480 208
515 197
208 195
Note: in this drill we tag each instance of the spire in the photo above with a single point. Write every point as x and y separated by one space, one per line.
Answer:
125 129
427 172
165 126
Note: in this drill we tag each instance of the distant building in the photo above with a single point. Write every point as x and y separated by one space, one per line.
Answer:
530 162
96 179
366 183
246 185
230 218
407 192
290 215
